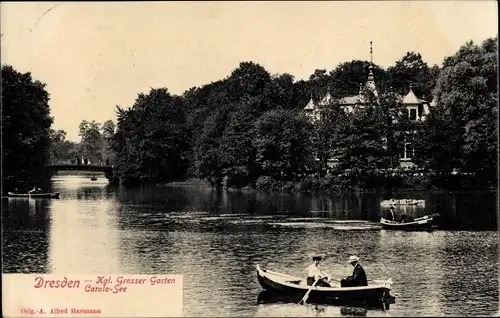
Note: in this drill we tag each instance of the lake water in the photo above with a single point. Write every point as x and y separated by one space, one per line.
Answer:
216 238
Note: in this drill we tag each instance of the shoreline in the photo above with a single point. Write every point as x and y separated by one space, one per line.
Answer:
292 187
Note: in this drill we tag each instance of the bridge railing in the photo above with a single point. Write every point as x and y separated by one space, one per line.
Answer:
74 162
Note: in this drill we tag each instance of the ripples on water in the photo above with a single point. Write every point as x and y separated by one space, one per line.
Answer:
215 239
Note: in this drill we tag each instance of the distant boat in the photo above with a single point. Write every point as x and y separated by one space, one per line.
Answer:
422 223
286 285
52 195
394 202
93 179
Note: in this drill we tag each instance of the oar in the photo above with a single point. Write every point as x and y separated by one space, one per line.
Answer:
306 296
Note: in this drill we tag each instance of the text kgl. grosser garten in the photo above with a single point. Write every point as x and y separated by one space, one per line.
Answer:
103 284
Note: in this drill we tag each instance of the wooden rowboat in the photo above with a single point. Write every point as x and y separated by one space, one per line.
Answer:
422 223
283 285
52 195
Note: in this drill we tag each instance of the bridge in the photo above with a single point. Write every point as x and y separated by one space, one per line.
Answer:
71 166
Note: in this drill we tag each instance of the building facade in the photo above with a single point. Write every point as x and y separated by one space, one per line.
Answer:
417 110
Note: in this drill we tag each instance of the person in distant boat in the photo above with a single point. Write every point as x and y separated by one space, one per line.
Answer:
405 218
358 277
390 215
35 190
314 272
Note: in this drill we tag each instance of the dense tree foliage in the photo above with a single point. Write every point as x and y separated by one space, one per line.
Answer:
347 77
249 129
462 131
412 70
95 144
151 138
327 135
282 144
26 123
62 150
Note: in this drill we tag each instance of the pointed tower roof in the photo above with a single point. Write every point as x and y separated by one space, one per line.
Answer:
310 105
370 84
411 98
326 100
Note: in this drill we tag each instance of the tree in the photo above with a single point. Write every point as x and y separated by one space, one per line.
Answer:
207 147
327 134
282 143
363 152
396 126
412 70
224 149
107 133
92 142
249 79
461 126
237 155
151 139
280 92
26 123
438 144
60 148
347 77
108 130
301 94
319 83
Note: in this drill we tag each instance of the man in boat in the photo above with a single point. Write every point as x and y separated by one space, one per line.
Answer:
314 273
405 218
358 277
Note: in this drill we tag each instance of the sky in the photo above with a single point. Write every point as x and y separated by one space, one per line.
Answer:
94 56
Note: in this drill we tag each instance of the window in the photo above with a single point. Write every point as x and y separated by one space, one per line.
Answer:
408 148
413 113
409 151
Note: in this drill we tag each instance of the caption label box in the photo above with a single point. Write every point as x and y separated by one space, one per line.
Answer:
35 295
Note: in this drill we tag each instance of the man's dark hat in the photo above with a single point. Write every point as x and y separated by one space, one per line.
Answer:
318 257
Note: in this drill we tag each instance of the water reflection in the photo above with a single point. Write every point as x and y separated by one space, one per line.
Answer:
294 310
84 237
471 278
411 261
26 224
216 238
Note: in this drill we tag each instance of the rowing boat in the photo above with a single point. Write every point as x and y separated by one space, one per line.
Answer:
422 223
51 195
283 285
395 202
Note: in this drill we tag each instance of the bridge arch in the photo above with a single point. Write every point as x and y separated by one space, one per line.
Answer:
68 166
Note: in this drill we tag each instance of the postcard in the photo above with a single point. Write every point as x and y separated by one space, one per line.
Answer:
248 158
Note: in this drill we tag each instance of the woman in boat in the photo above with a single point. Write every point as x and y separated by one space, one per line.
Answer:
390 215
314 273
358 277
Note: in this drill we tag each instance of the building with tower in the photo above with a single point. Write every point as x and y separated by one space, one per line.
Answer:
417 109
